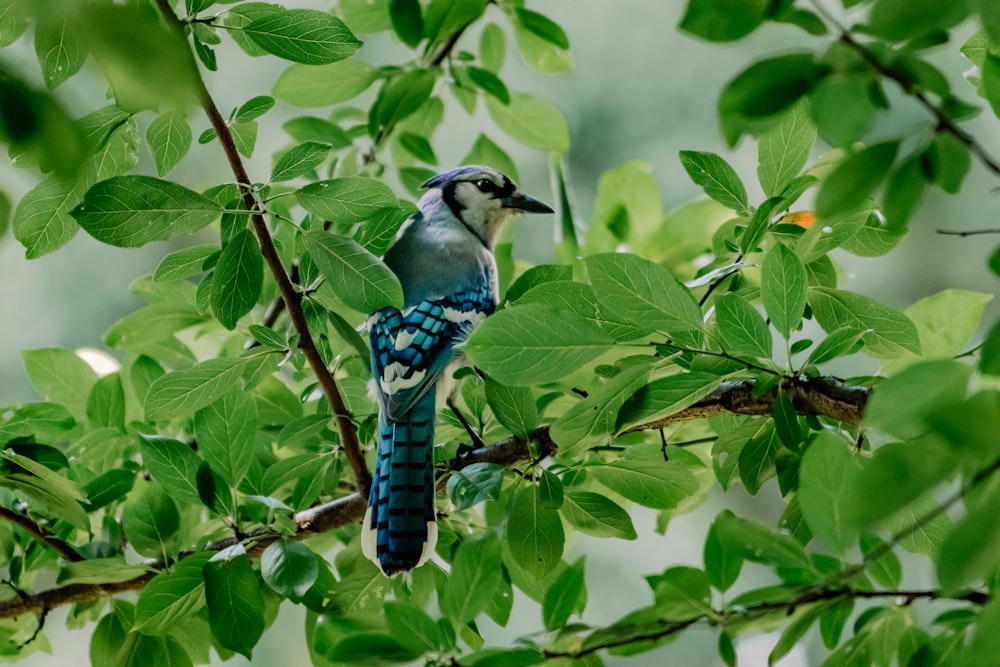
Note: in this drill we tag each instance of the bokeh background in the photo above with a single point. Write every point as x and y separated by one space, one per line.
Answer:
639 89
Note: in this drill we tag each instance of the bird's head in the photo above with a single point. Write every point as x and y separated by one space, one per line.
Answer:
481 198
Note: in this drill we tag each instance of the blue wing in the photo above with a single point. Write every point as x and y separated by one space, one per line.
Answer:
411 348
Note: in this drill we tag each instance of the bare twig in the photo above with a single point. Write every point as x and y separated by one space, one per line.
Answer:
970 232
36 531
292 299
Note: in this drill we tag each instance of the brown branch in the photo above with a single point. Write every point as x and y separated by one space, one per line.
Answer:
969 232
664 629
313 521
36 531
345 425
944 122
820 396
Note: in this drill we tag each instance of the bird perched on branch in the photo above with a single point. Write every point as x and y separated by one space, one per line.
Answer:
443 258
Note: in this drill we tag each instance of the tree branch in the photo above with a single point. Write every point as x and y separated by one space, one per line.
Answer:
819 396
292 299
664 629
313 521
36 531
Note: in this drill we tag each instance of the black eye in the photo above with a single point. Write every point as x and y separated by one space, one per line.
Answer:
485 185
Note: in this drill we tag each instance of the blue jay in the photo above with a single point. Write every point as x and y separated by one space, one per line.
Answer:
443 257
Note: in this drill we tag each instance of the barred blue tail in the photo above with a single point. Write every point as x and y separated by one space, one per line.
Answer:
399 530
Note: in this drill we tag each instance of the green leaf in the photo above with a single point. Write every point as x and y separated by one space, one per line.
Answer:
850 183
355 275
412 628
106 403
563 597
169 137
475 483
42 220
245 137
719 180
235 604
489 83
897 20
147 326
532 121
756 459
130 211
903 473
643 293
324 85
595 514
174 465
349 200
226 432
150 521
417 146
744 332
533 533
183 263
783 288
253 109
514 407
650 482
62 496
665 396
13 21
403 96
407 22
530 343
899 404
969 552
299 161
492 49
304 36
290 568
949 160
629 205
825 478
60 376
172 596
475 577
842 107
542 26
683 593
59 47
238 279
765 88
41 420
181 393
991 81
837 344
886 331
723 22
488 154
722 565
590 421
783 151
100 571
903 192
541 54
443 18
946 321
757 542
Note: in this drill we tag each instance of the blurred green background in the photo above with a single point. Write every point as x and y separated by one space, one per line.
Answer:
638 89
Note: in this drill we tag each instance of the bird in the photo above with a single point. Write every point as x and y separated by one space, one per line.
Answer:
443 257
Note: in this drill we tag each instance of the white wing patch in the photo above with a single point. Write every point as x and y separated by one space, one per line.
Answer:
472 317
404 339
392 379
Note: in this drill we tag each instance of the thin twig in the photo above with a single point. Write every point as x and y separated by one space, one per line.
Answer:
36 531
345 425
970 232
657 631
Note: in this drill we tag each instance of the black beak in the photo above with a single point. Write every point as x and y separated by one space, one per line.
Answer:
522 202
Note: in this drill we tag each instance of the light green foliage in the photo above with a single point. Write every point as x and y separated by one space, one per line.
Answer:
620 382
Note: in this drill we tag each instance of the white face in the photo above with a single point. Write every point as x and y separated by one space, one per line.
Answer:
480 196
